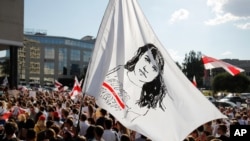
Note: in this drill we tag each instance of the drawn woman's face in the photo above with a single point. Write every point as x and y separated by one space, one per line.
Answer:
146 68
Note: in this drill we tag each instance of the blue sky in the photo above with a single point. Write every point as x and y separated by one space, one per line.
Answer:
217 28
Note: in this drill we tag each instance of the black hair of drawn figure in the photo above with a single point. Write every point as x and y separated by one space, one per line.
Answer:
152 92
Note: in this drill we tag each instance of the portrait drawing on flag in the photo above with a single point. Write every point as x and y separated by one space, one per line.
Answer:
144 71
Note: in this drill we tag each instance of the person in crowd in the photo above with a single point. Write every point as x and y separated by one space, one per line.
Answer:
67 126
56 119
83 124
75 116
90 133
10 128
40 124
98 133
222 130
91 110
208 127
122 129
31 135
91 121
21 122
49 135
109 134
64 114
41 134
125 137
32 112
56 128
102 118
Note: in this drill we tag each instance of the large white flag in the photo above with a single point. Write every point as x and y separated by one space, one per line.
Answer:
134 78
211 63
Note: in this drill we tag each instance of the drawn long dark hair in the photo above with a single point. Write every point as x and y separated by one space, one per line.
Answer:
152 92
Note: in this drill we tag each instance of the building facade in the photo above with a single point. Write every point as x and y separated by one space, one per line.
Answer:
11 34
44 59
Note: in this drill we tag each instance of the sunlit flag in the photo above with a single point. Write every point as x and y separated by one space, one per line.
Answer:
194 81
76 90
211 63
133 77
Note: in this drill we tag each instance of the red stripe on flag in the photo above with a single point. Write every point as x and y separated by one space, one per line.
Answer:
233 70
206 59
116 96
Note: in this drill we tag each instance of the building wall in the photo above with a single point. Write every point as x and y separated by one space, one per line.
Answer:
11 23
47 54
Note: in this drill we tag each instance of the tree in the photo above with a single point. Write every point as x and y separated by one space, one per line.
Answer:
226 82
193 66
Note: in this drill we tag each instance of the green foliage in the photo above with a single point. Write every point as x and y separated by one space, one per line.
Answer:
193 66
229 83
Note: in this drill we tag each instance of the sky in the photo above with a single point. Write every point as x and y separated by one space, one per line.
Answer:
216 28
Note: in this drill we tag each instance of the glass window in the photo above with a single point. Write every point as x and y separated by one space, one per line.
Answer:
75 70
75 55
49 53
49 67
62 64
86 56
34 68
34 52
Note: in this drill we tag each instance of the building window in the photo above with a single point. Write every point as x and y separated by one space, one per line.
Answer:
86 56
49 67
34 52
62 64
75 55
34 68
75 70
49 53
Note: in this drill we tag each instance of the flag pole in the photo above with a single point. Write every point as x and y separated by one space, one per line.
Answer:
83 95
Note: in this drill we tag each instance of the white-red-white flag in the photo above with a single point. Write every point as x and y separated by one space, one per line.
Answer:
211 63
194 81
59 86
133 77
76 90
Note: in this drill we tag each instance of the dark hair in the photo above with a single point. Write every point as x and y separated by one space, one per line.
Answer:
83 117
10 128
99 130
108 123
152 92
90 132
31 134
124 137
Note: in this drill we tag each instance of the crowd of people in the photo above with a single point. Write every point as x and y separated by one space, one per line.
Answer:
54 116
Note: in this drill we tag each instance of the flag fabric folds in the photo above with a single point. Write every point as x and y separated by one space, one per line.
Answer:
76 90
133 77
211 63
59 86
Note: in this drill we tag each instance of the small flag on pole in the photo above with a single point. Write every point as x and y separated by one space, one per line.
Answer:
59 86
76 89
194 81
5 81
133 77
211 63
